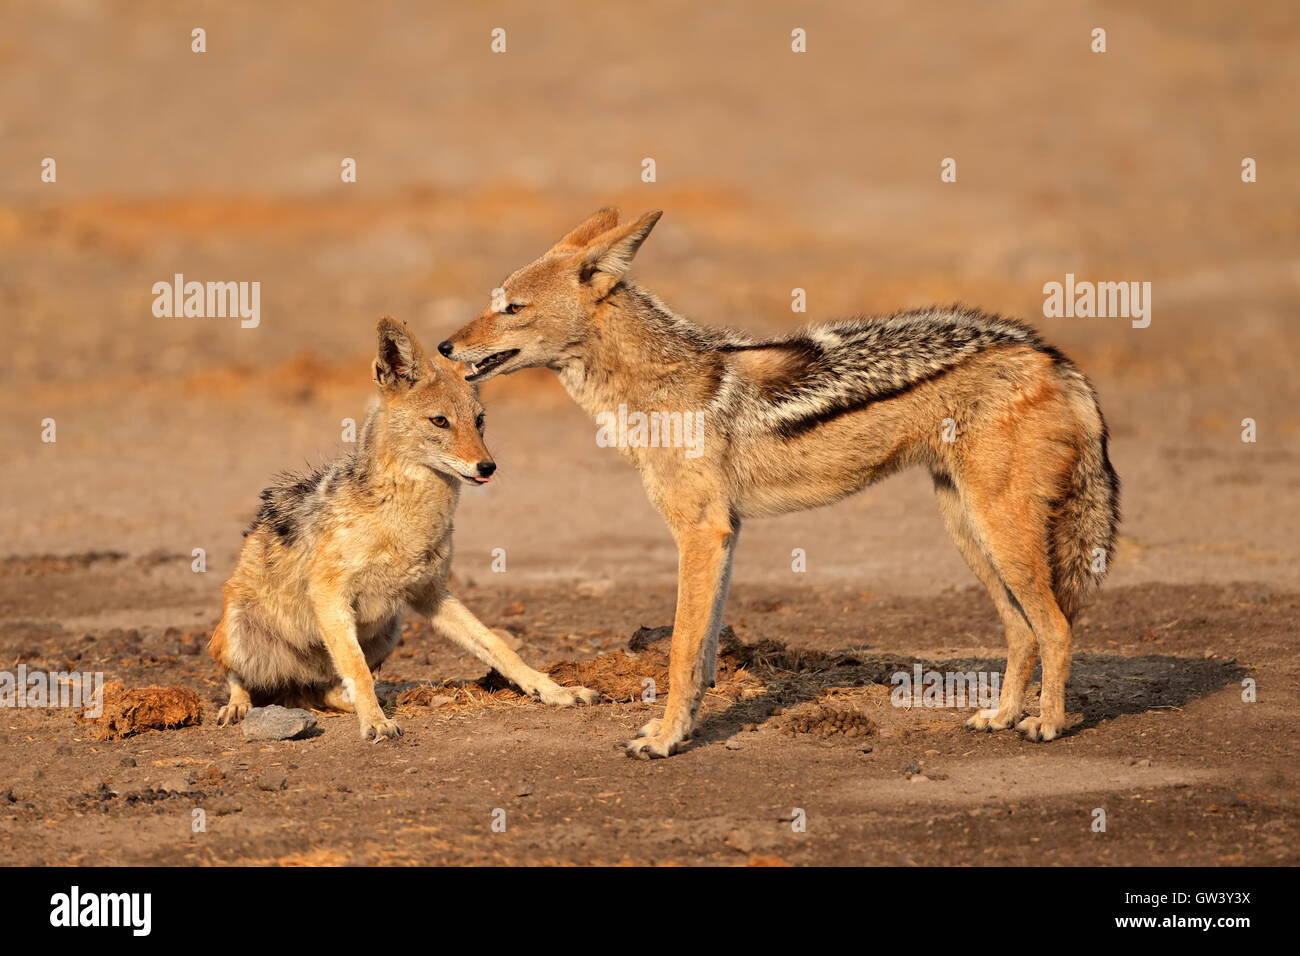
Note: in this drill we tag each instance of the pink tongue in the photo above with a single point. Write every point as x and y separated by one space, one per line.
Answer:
482 481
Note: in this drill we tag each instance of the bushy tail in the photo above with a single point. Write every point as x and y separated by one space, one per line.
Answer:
1082 539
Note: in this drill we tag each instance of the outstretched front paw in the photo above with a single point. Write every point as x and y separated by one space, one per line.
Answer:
995 721
379 728
653 740
558 696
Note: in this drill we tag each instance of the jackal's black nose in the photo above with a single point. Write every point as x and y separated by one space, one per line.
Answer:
485 468
445 348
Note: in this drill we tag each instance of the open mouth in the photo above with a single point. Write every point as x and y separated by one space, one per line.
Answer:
494 361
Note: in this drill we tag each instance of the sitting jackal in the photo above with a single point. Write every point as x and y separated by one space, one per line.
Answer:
315 602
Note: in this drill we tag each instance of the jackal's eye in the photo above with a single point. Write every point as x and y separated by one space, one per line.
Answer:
514 308
480 422
439 421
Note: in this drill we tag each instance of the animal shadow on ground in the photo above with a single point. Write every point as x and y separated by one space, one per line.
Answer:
756 681
1101 687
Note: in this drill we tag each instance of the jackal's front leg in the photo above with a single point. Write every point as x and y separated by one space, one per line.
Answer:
703 575
338 629
457 622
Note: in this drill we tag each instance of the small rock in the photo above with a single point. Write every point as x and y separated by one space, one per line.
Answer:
273 782
918 778
277 723
523 789
127 762
643 637
733 744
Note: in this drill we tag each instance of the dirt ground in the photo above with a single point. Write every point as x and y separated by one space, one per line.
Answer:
775 171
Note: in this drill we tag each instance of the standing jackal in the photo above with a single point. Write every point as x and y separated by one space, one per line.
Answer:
315 602
1008 427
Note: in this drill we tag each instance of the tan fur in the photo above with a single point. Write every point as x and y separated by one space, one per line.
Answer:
315 602
1025 490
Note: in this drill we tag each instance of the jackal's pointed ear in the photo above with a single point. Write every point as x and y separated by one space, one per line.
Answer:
608 257
401 358
599 221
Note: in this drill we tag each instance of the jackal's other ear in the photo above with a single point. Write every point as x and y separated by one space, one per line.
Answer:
607 257
599 221
401 358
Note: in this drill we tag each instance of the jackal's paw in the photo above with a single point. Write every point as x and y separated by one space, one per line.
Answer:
558 696
232 713
998 721
1041 728
653 741
379 728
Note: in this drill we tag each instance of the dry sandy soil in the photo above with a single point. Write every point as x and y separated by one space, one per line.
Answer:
775 171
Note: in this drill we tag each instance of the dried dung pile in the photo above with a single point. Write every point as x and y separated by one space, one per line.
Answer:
825 719
617 676
128 712
620 676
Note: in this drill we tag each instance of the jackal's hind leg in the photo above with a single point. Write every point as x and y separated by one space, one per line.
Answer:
335 696
1022 647
339 697
1013 529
